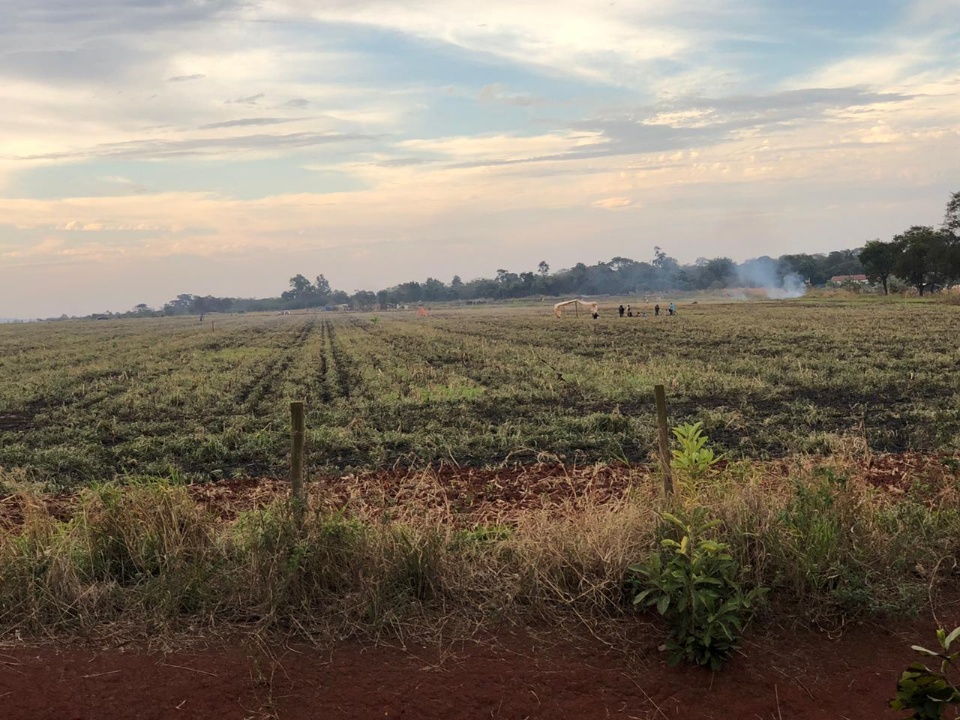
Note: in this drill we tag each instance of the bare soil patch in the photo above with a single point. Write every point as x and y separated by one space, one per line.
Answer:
512 674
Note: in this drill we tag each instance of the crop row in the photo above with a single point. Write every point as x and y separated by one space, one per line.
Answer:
82 401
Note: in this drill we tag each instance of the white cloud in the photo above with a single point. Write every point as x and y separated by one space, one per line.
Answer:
606 42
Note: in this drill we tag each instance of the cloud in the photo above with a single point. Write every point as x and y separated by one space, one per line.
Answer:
614 203
402 162
496 93
114 16
106 226
697 123
245 122
104 61
186 78
604 42
250 100
156 149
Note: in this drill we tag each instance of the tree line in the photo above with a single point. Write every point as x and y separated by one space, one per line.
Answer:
924 257
618 276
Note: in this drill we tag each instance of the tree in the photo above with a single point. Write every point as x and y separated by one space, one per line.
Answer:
659 258
806 266
364 300
180 306
920 247
951 218
299 285
718 272
879 259
322 286
434 290
543 268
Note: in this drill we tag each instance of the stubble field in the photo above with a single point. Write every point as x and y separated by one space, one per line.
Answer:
84 401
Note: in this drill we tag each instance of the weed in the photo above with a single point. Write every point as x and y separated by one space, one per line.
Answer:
694 459
693 582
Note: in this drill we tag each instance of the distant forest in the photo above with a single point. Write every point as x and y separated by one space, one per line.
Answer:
619 276
923 257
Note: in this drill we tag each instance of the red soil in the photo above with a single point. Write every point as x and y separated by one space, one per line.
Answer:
495 495
800 676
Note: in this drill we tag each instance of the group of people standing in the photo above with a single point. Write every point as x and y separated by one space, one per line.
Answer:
628 311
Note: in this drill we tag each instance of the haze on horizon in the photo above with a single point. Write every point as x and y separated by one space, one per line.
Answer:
156 147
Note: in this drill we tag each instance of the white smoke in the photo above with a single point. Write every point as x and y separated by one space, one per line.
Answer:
765 273
791 286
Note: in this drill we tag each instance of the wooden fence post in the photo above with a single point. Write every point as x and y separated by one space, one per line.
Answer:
297 429
664 439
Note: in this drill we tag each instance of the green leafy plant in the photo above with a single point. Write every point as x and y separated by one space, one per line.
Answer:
925 692
694 458
693 583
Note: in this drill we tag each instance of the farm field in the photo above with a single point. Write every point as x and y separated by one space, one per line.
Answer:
476 477
84 401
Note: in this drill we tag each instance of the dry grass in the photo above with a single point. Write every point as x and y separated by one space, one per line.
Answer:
830 545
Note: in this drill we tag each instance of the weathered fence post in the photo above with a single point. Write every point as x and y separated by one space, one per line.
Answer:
664 438
297 429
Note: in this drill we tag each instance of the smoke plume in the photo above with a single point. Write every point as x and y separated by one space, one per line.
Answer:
766 273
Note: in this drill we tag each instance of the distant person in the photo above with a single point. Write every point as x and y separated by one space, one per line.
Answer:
629 311
656 310
673 309
621 310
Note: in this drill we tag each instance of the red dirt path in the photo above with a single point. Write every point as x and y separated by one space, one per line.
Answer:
795 676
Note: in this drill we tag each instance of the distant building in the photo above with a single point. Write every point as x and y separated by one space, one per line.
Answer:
841 279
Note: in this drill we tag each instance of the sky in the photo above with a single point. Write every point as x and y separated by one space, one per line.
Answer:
155 147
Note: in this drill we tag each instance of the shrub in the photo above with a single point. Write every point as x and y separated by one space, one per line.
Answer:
693 583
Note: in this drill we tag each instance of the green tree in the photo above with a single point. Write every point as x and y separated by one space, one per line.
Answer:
434 290
879 259
806 266
300 285
322 286
364 300
921 252
543 268
718 272
951 218
180 306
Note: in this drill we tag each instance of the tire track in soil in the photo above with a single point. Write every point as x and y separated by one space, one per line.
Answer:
347 376
255 392
478 366
324 380
373 359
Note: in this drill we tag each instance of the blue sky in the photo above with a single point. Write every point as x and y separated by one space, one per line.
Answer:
154 147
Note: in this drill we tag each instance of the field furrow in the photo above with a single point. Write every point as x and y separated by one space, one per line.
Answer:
82 401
